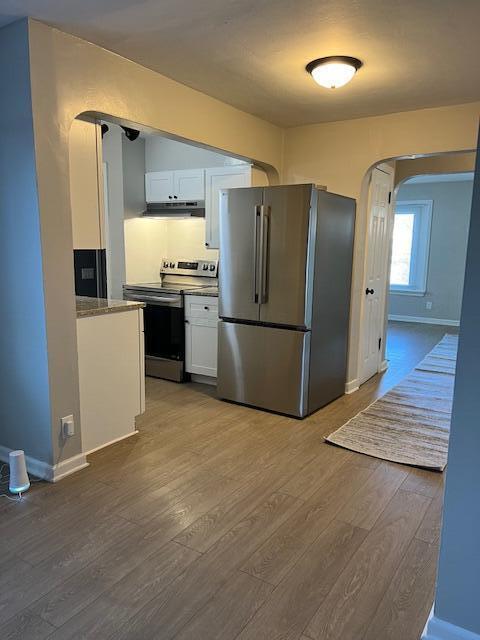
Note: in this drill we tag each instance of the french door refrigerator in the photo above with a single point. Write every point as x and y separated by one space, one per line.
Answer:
284 296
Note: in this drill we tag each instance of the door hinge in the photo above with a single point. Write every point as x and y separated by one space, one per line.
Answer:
379 344
389 197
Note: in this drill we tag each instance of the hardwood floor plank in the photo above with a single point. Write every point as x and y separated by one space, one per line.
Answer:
350 606
363 508
304 483
427 483
272 560
74 594
26 626
228 611
407 602
431 525
165 616
63 561
213 525
153 503
300 593
107 615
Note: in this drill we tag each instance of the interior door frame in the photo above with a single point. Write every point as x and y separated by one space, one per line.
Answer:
382 362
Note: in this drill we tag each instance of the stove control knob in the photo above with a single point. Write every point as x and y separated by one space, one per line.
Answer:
205 267
212 267
172 265
165 264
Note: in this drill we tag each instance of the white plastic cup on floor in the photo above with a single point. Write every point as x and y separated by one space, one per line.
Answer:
19 480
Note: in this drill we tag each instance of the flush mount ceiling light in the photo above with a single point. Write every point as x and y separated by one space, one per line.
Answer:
334 71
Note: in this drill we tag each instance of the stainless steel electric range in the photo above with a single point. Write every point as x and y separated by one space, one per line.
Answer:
163 314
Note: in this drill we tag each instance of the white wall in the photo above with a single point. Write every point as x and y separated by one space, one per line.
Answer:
448 248
114 214
163 154
145 245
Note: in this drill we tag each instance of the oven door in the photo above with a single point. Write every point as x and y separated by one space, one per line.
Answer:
164 327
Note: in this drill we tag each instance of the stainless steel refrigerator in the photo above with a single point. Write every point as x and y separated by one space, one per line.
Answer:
284 296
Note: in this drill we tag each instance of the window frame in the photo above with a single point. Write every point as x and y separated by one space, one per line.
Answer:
422 210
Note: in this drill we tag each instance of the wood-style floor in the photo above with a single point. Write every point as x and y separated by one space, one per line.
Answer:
219 522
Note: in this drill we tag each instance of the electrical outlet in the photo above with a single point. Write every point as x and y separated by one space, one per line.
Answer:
428 304
68 426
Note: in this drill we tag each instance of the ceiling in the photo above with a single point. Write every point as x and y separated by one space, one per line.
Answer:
252 53
442 177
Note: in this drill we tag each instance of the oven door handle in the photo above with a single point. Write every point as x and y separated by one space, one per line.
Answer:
154 299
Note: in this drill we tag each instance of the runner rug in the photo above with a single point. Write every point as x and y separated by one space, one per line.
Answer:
411 423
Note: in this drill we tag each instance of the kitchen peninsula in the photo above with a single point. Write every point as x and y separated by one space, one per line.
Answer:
111 369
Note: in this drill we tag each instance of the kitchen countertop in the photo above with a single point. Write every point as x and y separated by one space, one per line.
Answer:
99 306
206 291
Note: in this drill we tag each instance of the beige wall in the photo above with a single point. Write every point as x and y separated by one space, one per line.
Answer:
340 155
69 77
84 186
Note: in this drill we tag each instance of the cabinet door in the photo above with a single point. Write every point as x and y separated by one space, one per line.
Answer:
189 184
201 347
159 186
216 180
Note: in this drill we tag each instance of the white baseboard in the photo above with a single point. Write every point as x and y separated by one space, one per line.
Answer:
424 320
352 386
51 473
114 441
437 629
383 366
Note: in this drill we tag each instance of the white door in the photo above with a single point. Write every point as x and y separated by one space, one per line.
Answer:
376 276
189 184
216 180
159 186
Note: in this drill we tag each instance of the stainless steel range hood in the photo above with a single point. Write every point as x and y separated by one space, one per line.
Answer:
176 209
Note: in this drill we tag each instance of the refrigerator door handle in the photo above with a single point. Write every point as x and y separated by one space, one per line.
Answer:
265 240
256 243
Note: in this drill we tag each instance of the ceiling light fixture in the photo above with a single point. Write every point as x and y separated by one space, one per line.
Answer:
334 71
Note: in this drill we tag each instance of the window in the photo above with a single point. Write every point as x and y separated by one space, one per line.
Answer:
410 248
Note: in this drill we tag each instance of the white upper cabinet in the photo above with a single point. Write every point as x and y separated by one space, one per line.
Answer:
189 184
159 186
163 186
215 180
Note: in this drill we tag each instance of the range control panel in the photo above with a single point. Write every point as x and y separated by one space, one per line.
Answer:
204 268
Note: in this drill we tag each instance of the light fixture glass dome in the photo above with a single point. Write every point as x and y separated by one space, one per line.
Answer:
334 71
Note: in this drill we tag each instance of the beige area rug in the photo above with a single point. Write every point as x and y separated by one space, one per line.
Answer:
411 423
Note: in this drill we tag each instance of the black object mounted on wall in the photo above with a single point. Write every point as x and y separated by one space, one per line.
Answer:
132 134
90 272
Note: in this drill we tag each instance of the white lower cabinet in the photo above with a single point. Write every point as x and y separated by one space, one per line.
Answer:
201 320
111 368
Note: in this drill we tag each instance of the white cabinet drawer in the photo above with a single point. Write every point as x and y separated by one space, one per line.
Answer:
201 307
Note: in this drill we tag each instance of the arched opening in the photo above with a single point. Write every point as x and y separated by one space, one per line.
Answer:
141 199
378 250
